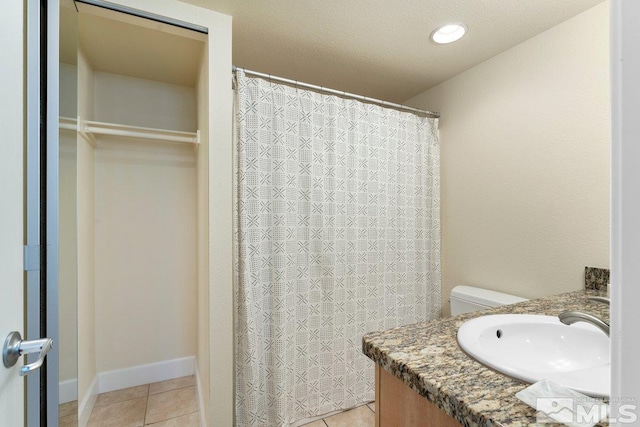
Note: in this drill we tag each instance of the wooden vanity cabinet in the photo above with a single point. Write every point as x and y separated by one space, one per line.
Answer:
397 405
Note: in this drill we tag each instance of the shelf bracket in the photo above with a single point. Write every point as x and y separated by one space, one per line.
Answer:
83 131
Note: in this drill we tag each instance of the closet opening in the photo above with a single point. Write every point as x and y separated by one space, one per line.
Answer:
140 200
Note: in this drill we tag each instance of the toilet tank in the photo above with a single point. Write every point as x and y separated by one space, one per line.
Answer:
465 299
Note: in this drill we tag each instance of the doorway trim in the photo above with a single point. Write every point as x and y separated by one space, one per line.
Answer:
41 209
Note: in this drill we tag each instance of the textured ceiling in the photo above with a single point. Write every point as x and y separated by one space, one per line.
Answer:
380 48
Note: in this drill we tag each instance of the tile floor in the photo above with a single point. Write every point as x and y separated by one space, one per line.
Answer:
362 416
172 403
68 413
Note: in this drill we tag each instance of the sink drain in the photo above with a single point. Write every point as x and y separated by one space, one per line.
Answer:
499 333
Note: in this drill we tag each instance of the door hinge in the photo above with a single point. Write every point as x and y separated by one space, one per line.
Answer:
31 257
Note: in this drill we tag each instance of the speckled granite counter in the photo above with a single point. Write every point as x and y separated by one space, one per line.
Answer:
427 358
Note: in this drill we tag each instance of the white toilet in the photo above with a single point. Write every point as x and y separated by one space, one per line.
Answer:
465 299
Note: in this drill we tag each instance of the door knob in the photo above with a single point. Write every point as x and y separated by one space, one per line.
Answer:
15 346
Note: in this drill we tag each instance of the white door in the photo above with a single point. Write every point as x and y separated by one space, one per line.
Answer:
28 214
12 407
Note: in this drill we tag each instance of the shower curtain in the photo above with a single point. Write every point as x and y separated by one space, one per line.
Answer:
337 227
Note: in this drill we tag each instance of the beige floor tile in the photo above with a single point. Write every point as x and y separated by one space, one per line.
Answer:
318 423
68 421
358 417
171 404
66 409
116 396
163 386
191 420
372 406
129 413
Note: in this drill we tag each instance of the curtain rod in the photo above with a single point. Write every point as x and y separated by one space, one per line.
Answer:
343 94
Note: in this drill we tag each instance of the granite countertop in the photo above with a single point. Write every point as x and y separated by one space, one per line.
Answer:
427 358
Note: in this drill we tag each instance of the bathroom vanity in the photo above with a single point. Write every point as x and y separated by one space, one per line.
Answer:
423 378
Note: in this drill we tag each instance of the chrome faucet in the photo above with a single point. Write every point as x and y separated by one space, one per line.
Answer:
571 317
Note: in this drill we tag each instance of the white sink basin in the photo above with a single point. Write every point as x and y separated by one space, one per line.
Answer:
533 347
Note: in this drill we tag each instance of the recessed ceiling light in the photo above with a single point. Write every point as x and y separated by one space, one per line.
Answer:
448 33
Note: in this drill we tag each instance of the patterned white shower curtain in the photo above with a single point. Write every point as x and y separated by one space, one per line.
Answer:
337 234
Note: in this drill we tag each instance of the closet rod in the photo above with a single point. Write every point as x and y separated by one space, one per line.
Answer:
113 129
430 114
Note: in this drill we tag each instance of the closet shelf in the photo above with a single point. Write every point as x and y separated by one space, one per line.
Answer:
90 129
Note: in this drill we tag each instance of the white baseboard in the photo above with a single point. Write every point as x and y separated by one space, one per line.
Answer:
145 374
88 402
203 418
130 377
68 391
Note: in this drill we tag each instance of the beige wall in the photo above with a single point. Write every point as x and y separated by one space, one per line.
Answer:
202 161
145 252
86 236
221 305
118 96
67 262
525 163
68 90
145 226
68 240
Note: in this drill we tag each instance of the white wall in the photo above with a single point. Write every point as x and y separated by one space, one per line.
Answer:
139 102
525 162
86 237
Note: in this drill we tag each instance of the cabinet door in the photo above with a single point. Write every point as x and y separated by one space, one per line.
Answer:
397 405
